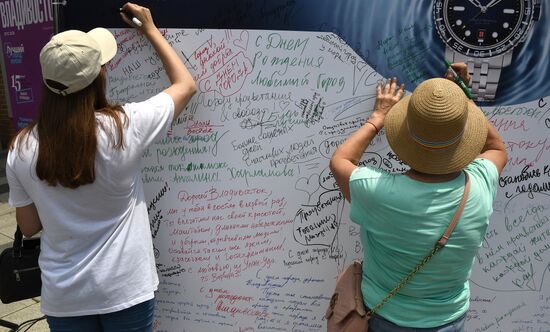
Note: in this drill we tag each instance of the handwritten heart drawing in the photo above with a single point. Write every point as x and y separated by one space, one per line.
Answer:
318 224
308 185
242 42
283 104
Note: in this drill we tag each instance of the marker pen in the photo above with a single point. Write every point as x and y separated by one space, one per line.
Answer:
131 17
459 80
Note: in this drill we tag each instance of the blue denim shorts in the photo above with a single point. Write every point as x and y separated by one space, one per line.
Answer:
379 324
138 318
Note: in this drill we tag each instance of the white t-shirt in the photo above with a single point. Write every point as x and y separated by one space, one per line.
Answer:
96 247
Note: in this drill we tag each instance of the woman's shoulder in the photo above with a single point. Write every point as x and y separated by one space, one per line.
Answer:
485 174
370 174
24 140
367 172
161 99
482 167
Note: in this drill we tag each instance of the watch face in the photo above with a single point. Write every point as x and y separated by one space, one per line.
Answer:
482 28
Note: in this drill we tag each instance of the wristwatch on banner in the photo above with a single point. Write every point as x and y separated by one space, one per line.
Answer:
483 34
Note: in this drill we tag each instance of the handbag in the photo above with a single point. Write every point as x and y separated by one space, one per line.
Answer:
19 270
347 312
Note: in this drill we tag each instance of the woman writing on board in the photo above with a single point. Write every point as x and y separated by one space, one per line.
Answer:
442 136
75 175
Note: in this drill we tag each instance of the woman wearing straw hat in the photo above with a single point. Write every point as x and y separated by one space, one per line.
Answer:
442 136
75 175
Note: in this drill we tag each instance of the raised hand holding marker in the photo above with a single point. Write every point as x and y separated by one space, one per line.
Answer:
459 80
131 17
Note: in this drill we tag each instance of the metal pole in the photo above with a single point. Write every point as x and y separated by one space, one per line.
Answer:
55 8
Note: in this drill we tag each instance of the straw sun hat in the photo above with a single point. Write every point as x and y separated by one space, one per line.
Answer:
436 130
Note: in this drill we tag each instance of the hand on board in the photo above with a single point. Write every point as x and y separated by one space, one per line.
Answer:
143 14
386 97
461 69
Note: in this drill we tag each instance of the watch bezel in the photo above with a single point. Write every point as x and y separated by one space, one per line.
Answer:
456 44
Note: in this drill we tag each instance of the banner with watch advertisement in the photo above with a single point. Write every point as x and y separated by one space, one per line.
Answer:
409 41
26 25
248 226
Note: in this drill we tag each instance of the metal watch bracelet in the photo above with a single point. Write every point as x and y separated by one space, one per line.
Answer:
485 72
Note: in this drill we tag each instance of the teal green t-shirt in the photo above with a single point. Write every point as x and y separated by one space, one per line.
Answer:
401 219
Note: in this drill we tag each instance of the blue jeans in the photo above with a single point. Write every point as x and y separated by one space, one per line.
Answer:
138 318
379 324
